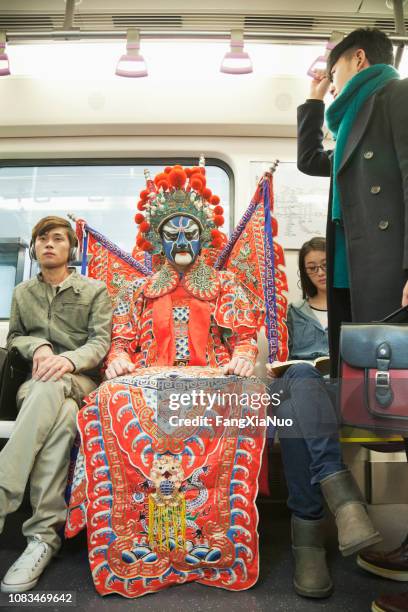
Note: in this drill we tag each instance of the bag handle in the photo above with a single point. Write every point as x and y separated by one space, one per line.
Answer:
401 313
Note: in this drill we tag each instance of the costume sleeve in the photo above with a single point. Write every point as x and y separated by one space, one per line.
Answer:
125 324
17 335
312 158
399 122
93 352
236 315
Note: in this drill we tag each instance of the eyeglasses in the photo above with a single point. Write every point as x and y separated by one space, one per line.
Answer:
312 270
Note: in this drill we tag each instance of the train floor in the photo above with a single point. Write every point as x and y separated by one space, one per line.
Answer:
354 588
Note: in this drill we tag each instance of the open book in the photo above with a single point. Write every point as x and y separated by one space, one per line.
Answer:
321 363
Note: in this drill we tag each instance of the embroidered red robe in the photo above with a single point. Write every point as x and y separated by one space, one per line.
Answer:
201 318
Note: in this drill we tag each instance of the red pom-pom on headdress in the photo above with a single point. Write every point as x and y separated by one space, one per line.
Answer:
215 200
218 210
168 169
160 177
196 183
139 218
140 240
177 177
217 239
199 169
163 184
144 226
199 175
144 194
219 220
207 193
141 205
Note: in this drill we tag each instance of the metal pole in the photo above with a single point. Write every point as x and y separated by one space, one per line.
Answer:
265 37
399 28
69 14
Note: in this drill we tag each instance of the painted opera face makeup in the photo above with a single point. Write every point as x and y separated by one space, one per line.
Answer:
181 240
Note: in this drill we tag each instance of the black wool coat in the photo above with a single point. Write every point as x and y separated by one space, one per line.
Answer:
373 186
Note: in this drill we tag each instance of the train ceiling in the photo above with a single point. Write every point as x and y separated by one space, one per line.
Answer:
258 17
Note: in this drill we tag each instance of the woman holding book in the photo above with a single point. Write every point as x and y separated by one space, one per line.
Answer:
310 448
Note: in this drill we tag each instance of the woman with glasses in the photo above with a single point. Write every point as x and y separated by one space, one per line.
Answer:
307 318
310 448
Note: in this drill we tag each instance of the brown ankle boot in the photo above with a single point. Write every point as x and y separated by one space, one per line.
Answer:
355 529
312 578
392 564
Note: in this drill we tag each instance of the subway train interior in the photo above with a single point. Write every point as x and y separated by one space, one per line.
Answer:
93 92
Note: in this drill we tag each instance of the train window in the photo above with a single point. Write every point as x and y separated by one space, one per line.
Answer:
104 195
12 260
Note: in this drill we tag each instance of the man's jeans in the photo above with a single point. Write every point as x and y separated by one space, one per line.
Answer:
310 447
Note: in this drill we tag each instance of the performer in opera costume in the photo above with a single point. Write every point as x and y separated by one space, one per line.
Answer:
167 503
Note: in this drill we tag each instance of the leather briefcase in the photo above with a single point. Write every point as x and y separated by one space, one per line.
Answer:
373 369
13 372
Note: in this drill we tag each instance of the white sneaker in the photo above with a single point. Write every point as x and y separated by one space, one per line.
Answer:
23 575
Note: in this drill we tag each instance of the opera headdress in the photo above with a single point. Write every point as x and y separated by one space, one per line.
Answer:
178 191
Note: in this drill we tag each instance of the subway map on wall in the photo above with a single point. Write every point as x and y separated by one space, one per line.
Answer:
300 202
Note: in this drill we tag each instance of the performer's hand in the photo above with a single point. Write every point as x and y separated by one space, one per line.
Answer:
239 366
118 367
52 368
404 301
320 85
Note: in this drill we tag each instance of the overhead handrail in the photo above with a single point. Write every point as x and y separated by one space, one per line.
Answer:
258 37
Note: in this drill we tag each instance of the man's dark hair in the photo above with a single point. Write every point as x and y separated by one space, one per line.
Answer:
376 44
314 244
47 224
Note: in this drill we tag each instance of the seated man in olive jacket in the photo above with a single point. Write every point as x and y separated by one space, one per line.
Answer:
61 323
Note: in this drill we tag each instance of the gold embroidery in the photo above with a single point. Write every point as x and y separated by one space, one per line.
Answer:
167 506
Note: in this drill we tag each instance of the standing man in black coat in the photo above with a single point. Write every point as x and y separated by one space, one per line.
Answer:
367 228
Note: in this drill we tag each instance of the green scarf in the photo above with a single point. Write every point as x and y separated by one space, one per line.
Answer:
340 117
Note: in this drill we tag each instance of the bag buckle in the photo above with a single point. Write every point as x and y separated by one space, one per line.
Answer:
382 379
383 392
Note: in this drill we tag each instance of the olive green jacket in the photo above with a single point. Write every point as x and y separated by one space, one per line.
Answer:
75 323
